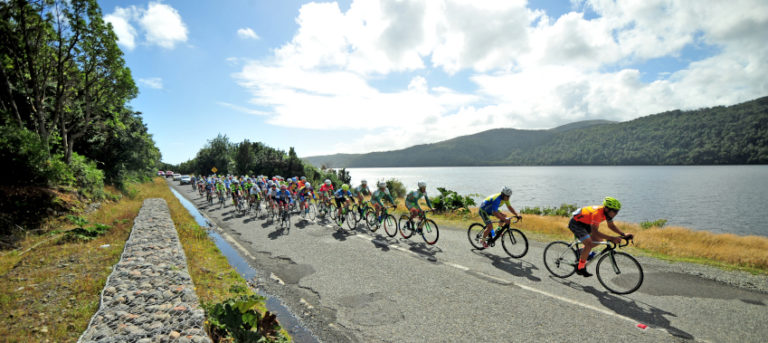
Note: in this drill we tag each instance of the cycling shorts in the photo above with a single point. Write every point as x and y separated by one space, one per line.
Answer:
339 202
579 229
412 204
282 201
485 216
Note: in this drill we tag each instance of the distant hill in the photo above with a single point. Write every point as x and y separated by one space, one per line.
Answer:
735 134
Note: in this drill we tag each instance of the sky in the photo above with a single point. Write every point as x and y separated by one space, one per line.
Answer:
360 76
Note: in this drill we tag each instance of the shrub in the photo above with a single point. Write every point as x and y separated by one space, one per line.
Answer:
449 200
656 223
87 178
24 155
237 318
396 188
564 210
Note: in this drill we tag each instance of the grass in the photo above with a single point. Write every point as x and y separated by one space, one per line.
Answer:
50 288
728 251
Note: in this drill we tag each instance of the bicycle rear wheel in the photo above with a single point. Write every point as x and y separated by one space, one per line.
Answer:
406 226
619 272
560 259
515 243
351 221
312 212
332 210
475 235
371 221
430 232
390 225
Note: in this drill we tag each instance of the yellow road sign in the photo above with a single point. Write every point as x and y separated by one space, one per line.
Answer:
214 169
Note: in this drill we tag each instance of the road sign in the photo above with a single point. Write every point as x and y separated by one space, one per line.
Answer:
214 169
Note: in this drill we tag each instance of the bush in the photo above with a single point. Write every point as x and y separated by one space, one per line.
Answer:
449 200
88 179
396 188
564 210
238 319
656 223
25 157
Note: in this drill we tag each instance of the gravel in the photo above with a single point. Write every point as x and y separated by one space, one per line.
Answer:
149 297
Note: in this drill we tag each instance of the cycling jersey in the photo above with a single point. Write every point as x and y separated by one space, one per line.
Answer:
492 203
591 215
379 194
412 199
361 190
326 188
283 196
340 194
255 190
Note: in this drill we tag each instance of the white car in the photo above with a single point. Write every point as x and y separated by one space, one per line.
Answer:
185 180
176 177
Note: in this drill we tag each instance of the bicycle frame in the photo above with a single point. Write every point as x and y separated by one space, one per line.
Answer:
500 233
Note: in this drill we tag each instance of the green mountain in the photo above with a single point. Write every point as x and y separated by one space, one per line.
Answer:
735 134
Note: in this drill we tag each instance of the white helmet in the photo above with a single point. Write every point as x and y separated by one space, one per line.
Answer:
382 184
363 182
422 184
327 182
506 191
307 184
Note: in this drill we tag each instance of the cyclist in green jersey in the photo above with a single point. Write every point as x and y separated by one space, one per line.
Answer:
381 193
235 189
361 191
412 200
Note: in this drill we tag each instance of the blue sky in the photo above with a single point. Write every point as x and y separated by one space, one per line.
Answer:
359 76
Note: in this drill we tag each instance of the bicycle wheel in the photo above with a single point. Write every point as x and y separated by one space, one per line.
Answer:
619 272
390 225
312 212
475 235
332 211
371 221
430 232
351 221
560 259
406 226
515 243
287 219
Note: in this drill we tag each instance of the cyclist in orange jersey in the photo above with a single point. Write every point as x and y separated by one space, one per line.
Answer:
584 224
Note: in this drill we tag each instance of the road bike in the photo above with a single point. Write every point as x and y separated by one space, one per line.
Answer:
285 216
209 197
309 210
426 227
361 210
617 271
346 216
513 240
384 219
220 194
254 205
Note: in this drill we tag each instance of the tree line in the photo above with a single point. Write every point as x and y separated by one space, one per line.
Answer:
64 89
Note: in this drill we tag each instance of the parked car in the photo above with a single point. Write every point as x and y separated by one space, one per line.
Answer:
176 177
160 173
185 180
169 174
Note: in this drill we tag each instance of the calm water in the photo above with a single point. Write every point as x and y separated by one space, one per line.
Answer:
714 198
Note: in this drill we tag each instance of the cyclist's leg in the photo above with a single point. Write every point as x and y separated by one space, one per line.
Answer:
583 233
488 223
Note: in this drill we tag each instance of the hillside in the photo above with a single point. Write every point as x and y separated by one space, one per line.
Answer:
735 134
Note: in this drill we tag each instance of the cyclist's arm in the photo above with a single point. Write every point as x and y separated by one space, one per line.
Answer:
615 229
429 203
509 207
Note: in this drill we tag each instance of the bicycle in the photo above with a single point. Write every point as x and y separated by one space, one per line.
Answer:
209 197
346 216
513 241
361 211
285 217
426 227
388 220
617 271
308 210
221 199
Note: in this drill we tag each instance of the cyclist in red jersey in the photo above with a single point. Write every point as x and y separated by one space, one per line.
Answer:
584 224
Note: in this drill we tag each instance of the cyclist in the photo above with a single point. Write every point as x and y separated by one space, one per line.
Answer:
326 190
359 192
255 193
490 207
584 224
379 194
342 195
234 188
271 194
305 193
220 189
284 198
412 200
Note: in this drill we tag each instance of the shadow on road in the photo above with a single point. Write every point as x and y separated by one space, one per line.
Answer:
641 312
421 248
515 267
279 232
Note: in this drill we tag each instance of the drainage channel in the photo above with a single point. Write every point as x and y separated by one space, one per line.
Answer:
287 319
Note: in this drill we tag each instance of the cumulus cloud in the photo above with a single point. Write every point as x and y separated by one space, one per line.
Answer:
152 82
526 69
159 23
247 33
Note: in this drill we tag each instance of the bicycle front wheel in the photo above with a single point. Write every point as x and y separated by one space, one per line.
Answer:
390 225
371 221
560 259
312 214
515 243
619 272
406 226
351 221
430 232
475 235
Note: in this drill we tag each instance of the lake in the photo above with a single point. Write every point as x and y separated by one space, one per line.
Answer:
714 198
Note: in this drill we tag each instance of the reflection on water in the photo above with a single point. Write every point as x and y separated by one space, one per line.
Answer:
715 198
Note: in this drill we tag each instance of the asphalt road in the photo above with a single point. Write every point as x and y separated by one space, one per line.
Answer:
366 287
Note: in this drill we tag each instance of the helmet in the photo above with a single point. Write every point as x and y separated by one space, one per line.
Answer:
612 203
382 184
283 187
345 187
506 191
327 182
363 182
303 177
273 185
295 179
307 184
422 184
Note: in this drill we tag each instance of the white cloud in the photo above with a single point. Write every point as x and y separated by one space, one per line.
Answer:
160 24
152 82
528 70
242 109
247 33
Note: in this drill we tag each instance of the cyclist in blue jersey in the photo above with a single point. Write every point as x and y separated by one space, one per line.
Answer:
342 196
284 197
490 207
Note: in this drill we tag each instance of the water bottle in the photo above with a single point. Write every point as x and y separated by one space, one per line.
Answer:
591 255
493 233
